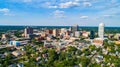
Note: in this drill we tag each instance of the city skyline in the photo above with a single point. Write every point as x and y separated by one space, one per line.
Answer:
60 13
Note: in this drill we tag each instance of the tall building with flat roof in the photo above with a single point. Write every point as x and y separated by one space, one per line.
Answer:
28 31
74 28
55 32
101 30
92 34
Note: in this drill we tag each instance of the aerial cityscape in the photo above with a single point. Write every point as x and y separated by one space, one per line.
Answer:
59 33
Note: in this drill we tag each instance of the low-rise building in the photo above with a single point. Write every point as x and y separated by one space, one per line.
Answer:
18 53
117 42
98 42
15 43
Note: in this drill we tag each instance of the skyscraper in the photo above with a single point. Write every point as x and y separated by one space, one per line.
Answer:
28 31
92 34
101 30
74 28
55 32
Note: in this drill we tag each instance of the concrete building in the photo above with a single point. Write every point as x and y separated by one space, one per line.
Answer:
49 31
3 36
55 32
101 30
117 36
85 34
28 31
18 53
63 30
15 43
74 28
98 42
77 33
117 42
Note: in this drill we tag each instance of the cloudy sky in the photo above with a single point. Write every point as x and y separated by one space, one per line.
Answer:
60 12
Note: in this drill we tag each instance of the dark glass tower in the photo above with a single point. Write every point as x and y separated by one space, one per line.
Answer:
92 34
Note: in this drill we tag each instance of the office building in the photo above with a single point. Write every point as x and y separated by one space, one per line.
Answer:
101 30
55 32
85 34
77 33
63 30
15 43
28 31
74 28
92 34
49 31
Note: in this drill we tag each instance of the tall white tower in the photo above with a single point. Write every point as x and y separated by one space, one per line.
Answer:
101 30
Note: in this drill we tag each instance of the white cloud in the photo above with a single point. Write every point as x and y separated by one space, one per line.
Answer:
5 10
77 0
68 4
59 14
21 1
8 14
27 0
114 1
87 4
49 5
84 17
107 15
52 6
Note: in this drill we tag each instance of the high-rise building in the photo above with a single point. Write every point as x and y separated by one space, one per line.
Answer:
28 31
101 30
92 34
49 31
74 28
63 30
55 32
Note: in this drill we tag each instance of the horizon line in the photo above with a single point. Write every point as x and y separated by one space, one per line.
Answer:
57 25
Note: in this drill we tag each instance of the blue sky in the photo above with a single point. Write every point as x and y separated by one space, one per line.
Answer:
60 12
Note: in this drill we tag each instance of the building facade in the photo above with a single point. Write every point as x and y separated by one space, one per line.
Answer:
28 31
92 34
74 28
101 30
55 32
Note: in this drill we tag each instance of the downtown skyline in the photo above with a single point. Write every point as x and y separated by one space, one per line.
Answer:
60 13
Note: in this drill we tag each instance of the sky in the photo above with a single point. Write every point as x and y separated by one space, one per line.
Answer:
60 12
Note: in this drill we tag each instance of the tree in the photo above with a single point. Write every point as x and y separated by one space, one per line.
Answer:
52 57
85 61
79 52
94 65
72 50
18 34
7 60
92 47
62 56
